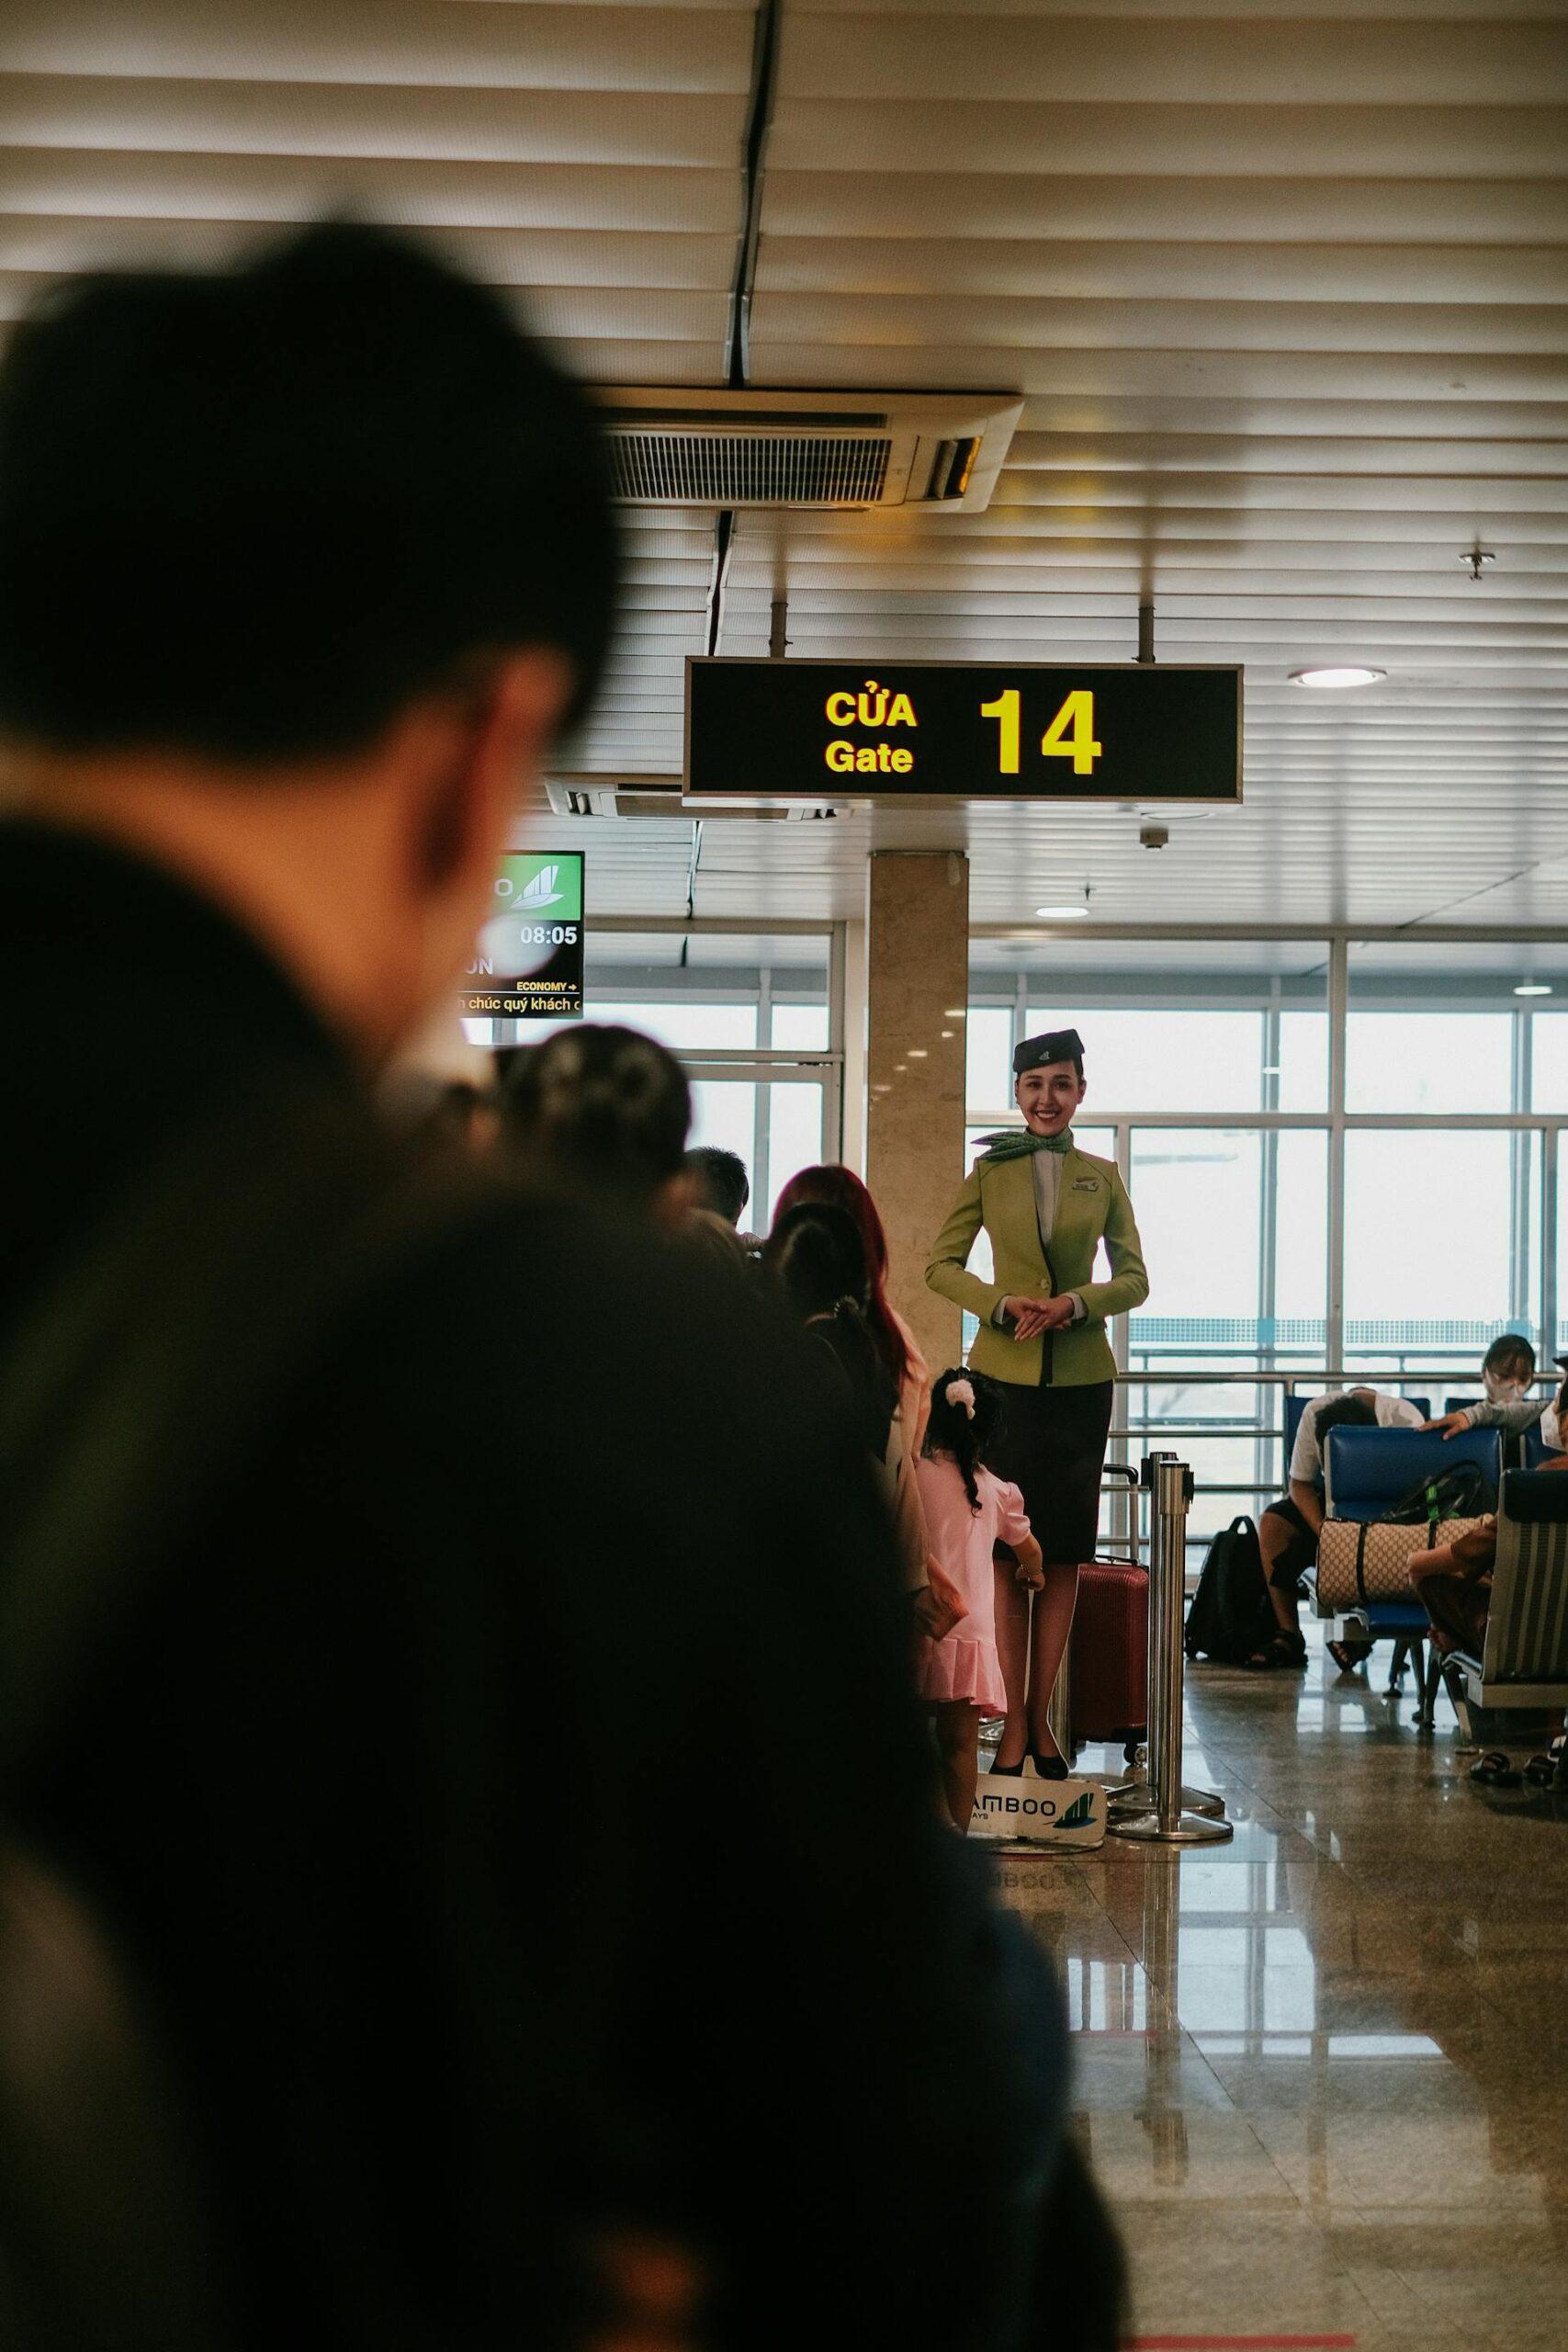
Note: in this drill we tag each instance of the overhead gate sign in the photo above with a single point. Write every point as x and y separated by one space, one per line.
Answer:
916 730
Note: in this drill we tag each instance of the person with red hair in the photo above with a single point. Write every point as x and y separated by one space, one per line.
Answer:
840 1187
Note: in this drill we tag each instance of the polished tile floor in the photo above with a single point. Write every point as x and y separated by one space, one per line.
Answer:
1323 2070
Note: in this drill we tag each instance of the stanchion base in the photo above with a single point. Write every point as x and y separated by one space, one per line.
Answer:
1192 1829
1136 1796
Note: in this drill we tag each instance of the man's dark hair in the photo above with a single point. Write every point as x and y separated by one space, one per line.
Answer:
599 1110
252 514
720 1180
1345 1412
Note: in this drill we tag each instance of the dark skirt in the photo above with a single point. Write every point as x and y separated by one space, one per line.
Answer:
1050 1443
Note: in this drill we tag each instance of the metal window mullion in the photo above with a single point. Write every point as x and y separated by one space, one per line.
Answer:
1549 1314
1269 1203
1520 1155
1338 1026
761 1098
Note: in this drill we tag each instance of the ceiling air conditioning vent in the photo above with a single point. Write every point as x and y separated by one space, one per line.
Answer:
750 468
939 451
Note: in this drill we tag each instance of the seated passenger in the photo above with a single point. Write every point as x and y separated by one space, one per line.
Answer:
1454 1581
1507 1371
1288 1529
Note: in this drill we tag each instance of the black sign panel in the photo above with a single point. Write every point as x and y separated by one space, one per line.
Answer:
971 731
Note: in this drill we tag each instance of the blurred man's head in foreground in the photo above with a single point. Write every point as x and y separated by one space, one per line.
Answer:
303 564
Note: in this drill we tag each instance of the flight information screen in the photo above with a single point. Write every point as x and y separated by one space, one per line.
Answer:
527 962
914 730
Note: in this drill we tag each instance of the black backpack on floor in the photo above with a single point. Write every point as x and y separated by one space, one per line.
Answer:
1231 1614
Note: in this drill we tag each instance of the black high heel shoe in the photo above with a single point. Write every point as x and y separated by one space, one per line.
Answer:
1050 1767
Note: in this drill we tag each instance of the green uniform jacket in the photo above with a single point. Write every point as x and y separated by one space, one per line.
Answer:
1092 1204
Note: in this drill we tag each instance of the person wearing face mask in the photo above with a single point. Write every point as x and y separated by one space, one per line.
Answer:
1507 1370
1048 1208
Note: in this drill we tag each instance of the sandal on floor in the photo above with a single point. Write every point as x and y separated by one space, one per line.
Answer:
1494 1771
1349 1656
1544 1772
1282 1650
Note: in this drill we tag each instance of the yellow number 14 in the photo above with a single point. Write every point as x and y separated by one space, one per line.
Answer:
1071 733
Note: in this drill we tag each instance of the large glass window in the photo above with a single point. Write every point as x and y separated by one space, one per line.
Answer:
1440 1241
1549 1063
1177 1060
1210 1063
1416 1060
1430 1030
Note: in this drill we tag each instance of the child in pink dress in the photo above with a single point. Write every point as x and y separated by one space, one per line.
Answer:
968 1510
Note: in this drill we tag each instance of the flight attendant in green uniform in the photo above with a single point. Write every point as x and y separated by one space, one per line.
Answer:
1047 1207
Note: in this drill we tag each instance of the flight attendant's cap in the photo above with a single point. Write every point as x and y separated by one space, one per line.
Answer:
1053 1046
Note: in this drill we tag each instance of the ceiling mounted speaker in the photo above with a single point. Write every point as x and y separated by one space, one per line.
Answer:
939 451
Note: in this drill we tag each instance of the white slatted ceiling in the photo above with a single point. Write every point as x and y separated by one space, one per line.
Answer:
1284 286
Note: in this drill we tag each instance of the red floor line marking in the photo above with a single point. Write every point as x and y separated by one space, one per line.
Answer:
1241 2343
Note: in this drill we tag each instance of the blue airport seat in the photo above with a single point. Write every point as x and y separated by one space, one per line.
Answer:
1366 1473
1295 1406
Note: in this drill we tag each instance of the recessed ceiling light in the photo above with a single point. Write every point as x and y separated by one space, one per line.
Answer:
1063 914
956 1012
1533 988
1343 677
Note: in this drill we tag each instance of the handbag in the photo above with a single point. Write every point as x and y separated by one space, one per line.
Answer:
1360 1560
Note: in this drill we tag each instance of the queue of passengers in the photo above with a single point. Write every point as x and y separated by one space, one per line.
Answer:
411 1571
602 1113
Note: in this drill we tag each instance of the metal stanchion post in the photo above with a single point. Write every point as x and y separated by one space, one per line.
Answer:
1168 1821
1138 1796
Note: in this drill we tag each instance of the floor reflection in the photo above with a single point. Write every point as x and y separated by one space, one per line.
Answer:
1323 2070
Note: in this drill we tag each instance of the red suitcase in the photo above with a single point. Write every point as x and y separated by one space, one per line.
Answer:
1109 1653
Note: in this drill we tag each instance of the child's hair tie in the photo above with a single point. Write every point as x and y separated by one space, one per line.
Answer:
960 1393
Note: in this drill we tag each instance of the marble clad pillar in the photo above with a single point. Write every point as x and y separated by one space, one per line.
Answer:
917 951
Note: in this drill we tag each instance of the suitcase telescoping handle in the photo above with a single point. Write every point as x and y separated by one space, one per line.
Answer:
1121 1478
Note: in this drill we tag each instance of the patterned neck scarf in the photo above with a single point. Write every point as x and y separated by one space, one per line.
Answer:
1011 1143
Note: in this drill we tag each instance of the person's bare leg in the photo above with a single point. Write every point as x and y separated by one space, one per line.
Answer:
1053 1609
1012 1648
1275 1536
958 1737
